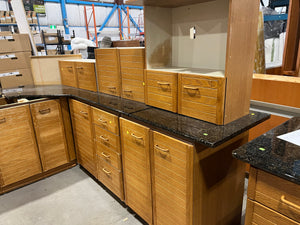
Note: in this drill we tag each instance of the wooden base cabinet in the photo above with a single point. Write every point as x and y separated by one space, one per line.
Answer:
136 168
196 185
19 156
83 134
272 200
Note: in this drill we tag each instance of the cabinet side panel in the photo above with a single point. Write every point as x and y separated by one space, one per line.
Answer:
241 43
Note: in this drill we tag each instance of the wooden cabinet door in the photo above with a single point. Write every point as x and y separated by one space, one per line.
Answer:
83 134
19 157
172 172
136 168
86 76
68 73
50 133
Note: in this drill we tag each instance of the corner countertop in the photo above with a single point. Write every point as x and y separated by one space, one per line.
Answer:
195 130
273 155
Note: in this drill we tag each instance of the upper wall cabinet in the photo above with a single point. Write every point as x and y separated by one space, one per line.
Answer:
213 38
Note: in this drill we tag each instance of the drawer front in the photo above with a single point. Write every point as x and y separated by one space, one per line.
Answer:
19 157
136 168
106 120
278 194
133 74
103 55
136 93
201 97
260 215
86 76
172 174
107 138
108 155
161 90
80 110
111 178
50 133
68 73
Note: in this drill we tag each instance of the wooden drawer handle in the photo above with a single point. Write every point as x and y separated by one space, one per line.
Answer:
80 68
106 171
289 203
106 156
129 91
111 87
83 112
102 121
163 83
191 88
136 137
69 67
103 138
3 120
161 149
45 111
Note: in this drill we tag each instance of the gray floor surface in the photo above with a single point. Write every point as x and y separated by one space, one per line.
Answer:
67 198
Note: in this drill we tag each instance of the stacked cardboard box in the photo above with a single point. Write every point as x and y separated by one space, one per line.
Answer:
7 17
15 52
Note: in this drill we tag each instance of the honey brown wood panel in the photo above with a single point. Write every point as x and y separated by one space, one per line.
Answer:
50 133
276 193
135 136
68 127
19 157
161 90
172 202
107 139
106 120
111 178
107 63
108 155
201 97
86 75
262 215
83 134
68 73
242 34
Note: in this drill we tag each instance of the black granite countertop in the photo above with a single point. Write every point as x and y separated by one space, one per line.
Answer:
195 130
273 155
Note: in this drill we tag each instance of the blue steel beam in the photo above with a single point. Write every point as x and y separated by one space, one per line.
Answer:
134 7
132 20
65 18
108 17
55 1
89 3
275 17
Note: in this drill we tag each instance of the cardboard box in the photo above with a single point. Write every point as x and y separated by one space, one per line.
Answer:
15 60
7 17
34 18
12 15
28 16
16 78
2 17
14 42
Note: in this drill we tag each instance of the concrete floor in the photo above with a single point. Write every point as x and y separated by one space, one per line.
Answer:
70 197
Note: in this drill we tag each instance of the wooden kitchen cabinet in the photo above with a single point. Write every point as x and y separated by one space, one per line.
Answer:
136 168
108 71
68 73
19 156
50 133
108 151
272 198
132 64
83 134
172 184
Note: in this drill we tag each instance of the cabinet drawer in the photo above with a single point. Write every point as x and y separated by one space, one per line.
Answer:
86 75
276 193
108 155
201 97
111 178
107 138
161 90
136 93
133 74
106 120
80 110
260 215
68 73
